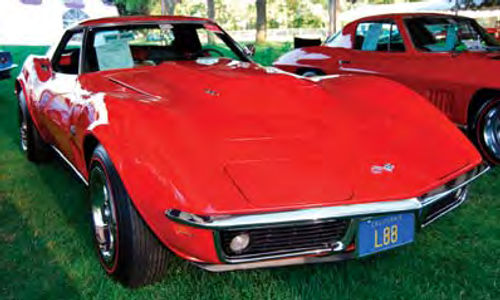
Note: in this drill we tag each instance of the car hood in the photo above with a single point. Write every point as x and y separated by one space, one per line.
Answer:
235 137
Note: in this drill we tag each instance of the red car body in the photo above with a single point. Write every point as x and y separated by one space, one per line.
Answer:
201 148
459 83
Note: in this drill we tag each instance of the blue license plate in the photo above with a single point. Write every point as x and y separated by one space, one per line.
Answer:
385 233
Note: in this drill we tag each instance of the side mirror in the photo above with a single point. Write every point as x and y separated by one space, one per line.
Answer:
43 68
249 50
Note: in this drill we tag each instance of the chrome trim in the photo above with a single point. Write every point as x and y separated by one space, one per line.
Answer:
130 87
459 202
296 216
432 199
275 263
299 252
70 165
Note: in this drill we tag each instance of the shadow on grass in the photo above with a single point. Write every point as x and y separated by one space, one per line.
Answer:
27 267
8 111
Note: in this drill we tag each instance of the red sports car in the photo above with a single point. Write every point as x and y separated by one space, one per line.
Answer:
450 60
185 144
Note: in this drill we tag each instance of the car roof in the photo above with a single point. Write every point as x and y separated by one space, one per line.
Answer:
394 15
134 19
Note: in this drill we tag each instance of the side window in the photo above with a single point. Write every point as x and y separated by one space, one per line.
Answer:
383 36
68 58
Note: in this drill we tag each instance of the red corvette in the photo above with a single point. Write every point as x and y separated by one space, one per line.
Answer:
450 60
185 144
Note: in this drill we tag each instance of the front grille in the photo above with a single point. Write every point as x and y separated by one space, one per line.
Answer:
286 239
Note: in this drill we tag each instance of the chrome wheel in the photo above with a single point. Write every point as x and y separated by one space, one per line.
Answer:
103 217
491 131
309 74
23 130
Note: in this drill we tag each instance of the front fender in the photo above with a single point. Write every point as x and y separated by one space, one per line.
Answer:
121 126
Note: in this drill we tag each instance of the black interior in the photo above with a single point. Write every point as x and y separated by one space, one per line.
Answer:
301 42
71 68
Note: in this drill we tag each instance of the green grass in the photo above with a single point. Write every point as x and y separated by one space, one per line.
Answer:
46 248
266 54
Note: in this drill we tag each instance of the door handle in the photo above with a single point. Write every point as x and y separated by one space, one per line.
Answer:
344 62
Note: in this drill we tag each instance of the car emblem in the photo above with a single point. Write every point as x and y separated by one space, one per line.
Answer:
211 92
385 168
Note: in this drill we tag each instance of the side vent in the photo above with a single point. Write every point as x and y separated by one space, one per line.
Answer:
442 99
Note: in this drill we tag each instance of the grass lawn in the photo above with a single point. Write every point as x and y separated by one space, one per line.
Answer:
46 248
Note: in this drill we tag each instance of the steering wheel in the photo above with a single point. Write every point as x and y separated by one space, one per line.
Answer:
206 52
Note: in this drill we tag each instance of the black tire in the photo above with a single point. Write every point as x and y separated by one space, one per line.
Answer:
31 142
310 72
485 131
135 257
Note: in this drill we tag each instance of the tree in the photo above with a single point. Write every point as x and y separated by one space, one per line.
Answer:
211 9
133 7
333 13
261 23
168 6
475 4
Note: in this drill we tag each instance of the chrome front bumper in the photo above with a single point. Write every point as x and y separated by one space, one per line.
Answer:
427 209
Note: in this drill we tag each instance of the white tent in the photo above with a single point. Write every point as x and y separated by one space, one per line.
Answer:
41 22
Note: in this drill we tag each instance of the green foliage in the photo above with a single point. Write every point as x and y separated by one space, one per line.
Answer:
267 53
134 7
238 15
192 8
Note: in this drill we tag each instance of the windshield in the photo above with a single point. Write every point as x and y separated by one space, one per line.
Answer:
445 34
133 46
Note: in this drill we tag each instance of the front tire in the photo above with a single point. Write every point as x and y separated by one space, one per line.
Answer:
127 249
485 131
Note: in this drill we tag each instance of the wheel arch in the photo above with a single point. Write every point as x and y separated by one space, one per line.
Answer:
90 142
18 88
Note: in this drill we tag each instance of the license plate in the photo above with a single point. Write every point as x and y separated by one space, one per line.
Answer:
380 234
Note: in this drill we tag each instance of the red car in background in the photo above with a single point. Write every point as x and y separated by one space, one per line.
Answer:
495 32
188 147
450 60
